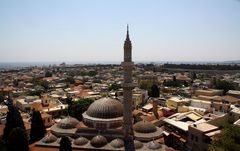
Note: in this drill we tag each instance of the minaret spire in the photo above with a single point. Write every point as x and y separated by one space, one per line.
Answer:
127 65
127 47
127 33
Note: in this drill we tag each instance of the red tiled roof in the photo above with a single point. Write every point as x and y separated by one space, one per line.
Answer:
44 115
7 88
83 94
2 126
81 125
1 129
231 99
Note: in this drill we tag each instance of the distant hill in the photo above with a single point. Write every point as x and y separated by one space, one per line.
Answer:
231 62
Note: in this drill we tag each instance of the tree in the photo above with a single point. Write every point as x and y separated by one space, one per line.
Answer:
1 97
154 91
171 83
224 85
92 73
45 84
174 79
194 76
97 81
14 120
83 73
227 140
38 129
35 92
48 74
15 82
114 87
214 81
69 101
77 108
65 144
17 140
70 79
146 85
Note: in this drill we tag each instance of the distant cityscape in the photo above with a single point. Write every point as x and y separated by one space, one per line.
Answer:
19 65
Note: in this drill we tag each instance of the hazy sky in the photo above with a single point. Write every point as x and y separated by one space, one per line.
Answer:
95 30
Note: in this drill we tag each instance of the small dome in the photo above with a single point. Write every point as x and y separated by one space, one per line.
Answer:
144 127
117 143
68 123
80 141
154 145
49 138
98 141
105 108
138 144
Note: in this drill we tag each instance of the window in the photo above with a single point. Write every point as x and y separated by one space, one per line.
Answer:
192 136
220 108
196 139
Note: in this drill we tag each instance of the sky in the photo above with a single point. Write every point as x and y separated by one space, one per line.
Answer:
95 30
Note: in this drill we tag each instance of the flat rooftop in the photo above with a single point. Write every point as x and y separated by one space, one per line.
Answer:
179 99
237 122
205 127
234 92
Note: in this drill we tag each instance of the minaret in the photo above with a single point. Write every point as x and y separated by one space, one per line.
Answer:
127 94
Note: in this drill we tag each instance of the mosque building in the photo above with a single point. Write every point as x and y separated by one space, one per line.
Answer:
108 124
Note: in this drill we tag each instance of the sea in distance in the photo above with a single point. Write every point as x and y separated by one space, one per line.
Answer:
20 65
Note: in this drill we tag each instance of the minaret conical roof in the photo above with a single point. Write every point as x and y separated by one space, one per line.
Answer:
127 37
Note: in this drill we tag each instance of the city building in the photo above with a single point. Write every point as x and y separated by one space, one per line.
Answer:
200 136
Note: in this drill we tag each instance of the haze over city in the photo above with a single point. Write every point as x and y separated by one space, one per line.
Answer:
93 31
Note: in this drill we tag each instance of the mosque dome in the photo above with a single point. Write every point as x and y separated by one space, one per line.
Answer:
98 141
154 145
68 123
144 127
49 138
105 108
80 141
138 144
117 143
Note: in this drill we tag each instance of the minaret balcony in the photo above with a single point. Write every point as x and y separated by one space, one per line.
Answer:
127 64
128 85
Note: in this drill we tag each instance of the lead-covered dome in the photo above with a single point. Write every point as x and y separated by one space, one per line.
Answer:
144 127
68 123
154 145
98 141
117 143
138 144
105 108
49 138
80 141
